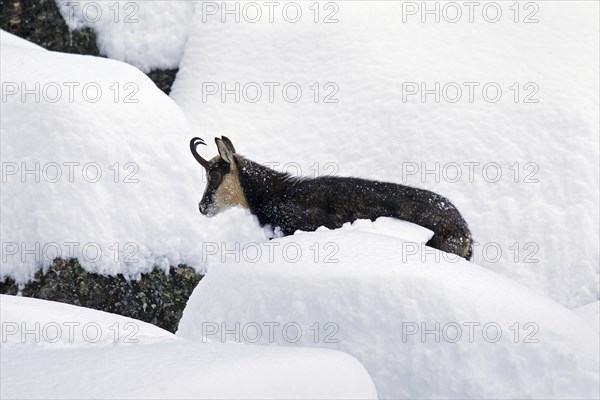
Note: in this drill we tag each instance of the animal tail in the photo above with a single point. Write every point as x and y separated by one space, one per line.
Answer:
469 255
455 240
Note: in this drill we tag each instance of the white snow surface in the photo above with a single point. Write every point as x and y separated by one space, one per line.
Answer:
43 324
371 296
77 202
184 371
8 39
591 314
144 216
364 284
390 227
543 221
547 232
159 365
147 34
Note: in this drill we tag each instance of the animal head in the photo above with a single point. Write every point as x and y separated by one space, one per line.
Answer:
223 188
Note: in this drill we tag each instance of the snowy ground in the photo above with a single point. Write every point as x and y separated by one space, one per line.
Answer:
109 356
57 325
422 325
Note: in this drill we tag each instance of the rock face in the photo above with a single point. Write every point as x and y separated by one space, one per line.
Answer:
163 78
156 298
40 22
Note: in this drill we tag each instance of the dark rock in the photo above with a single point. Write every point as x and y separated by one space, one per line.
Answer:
156 298
40 22
163 78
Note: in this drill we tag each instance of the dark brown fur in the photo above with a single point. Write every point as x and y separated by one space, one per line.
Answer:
291 203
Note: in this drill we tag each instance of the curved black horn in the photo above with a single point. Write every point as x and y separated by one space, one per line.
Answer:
193 144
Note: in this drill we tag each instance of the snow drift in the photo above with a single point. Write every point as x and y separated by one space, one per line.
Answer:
47 324
425 324
149 363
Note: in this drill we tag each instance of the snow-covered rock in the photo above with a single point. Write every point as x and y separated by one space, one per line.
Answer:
8 39
424 324
50 325
147 34
117 365
96 165
184 371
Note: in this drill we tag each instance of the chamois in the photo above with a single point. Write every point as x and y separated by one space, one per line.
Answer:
292 203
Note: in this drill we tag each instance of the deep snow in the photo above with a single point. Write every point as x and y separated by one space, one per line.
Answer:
424 326
379 287
157 365
542 214
103 174
51 325
537 224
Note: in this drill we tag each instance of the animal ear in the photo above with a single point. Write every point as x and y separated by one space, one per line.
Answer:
228 143
225 151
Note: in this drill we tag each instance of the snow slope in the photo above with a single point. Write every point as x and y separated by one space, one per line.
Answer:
47 324
423 326
541 214
96 165
184 371
165 367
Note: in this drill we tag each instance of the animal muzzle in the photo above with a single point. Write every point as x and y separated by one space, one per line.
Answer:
206 209
203 208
